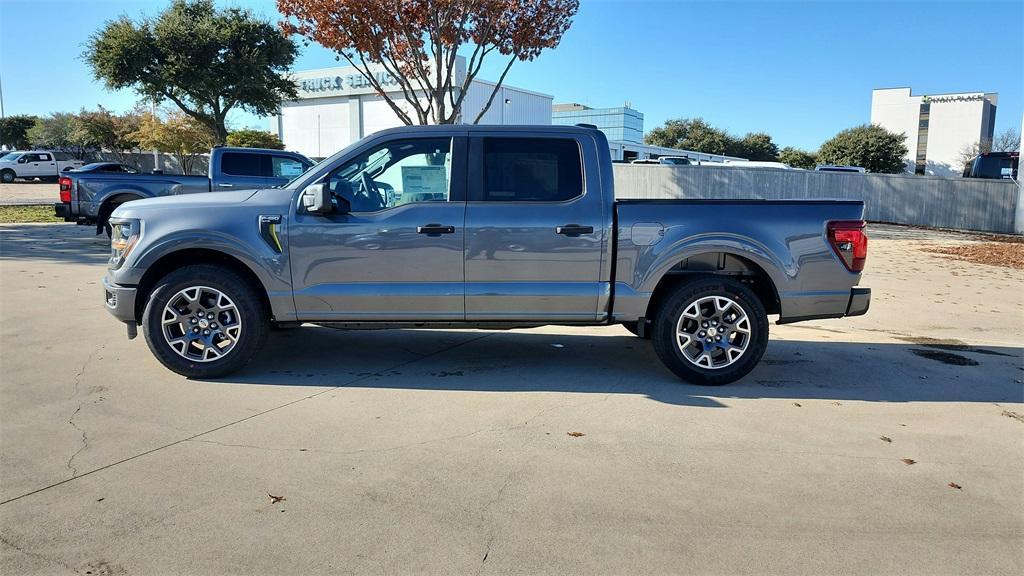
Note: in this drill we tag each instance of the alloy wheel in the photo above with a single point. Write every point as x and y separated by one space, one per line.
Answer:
713 332
201 324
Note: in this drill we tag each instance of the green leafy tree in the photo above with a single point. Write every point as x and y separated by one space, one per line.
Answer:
204 60
175 133
112 132
255 139
14 130
62 131
869 146
798 158
756 146
691 134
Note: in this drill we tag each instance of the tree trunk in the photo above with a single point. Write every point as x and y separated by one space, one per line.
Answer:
221 133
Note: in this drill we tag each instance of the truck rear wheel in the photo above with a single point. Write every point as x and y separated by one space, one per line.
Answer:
204 321
711 331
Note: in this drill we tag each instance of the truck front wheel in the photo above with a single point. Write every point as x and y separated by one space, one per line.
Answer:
204 321
711 331
7 176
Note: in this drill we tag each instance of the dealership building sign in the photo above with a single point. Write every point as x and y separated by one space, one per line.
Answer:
340 85
348 81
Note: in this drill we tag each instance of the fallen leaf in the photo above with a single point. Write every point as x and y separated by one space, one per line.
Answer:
837 403
275 499
955 485
575 434
797 404
885 439
909 461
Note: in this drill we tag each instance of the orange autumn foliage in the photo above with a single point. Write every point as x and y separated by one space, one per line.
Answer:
416 42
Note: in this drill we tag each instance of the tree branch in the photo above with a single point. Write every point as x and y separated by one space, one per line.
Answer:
497 86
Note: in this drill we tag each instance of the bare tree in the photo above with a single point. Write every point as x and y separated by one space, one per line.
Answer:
1006 141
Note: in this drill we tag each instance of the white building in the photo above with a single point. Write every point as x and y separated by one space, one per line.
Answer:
938 127
337 106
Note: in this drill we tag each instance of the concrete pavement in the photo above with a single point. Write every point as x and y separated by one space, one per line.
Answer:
449 451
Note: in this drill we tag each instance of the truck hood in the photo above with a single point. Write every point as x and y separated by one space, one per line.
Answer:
207 202
182 203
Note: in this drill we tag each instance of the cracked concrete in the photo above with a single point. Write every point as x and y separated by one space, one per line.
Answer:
392 462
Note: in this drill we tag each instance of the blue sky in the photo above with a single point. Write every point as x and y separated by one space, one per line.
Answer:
800 71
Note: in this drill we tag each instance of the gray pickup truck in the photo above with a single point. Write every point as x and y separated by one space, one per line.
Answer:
90 197
478 226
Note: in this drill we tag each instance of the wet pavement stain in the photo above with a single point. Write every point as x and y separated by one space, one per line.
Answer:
950 345
944 357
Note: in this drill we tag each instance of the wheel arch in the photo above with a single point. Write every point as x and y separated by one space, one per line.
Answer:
172 261
716 263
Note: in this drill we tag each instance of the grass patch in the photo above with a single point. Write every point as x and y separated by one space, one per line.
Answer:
22 214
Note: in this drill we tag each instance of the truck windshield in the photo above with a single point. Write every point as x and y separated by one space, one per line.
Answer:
10 157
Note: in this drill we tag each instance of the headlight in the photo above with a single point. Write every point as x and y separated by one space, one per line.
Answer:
123 236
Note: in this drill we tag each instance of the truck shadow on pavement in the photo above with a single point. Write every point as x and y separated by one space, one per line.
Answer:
545 361
54 243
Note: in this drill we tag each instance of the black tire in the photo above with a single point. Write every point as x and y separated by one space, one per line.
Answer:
665 339
7 176
254 317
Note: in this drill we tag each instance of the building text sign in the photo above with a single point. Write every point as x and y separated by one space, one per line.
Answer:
953 98
344 84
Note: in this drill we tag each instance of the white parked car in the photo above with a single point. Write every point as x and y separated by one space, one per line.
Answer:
30 164
833 168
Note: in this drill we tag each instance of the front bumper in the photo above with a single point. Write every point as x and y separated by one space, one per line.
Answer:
120 301
860 301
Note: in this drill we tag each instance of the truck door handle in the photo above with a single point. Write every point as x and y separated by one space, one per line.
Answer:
573 230
435 229
225 185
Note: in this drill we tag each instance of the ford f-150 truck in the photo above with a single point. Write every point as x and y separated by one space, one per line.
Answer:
30 164
478 226
90 197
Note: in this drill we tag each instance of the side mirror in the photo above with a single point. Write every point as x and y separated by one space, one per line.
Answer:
22 160
316 199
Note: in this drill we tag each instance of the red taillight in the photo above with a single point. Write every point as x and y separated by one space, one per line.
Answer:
65 189
850 243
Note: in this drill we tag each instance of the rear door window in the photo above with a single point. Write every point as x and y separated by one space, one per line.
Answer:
242 164
531 170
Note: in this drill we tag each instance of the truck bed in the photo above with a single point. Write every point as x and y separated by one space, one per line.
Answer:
782 240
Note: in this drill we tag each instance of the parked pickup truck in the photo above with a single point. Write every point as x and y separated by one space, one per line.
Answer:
30 164
479 226
89 197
